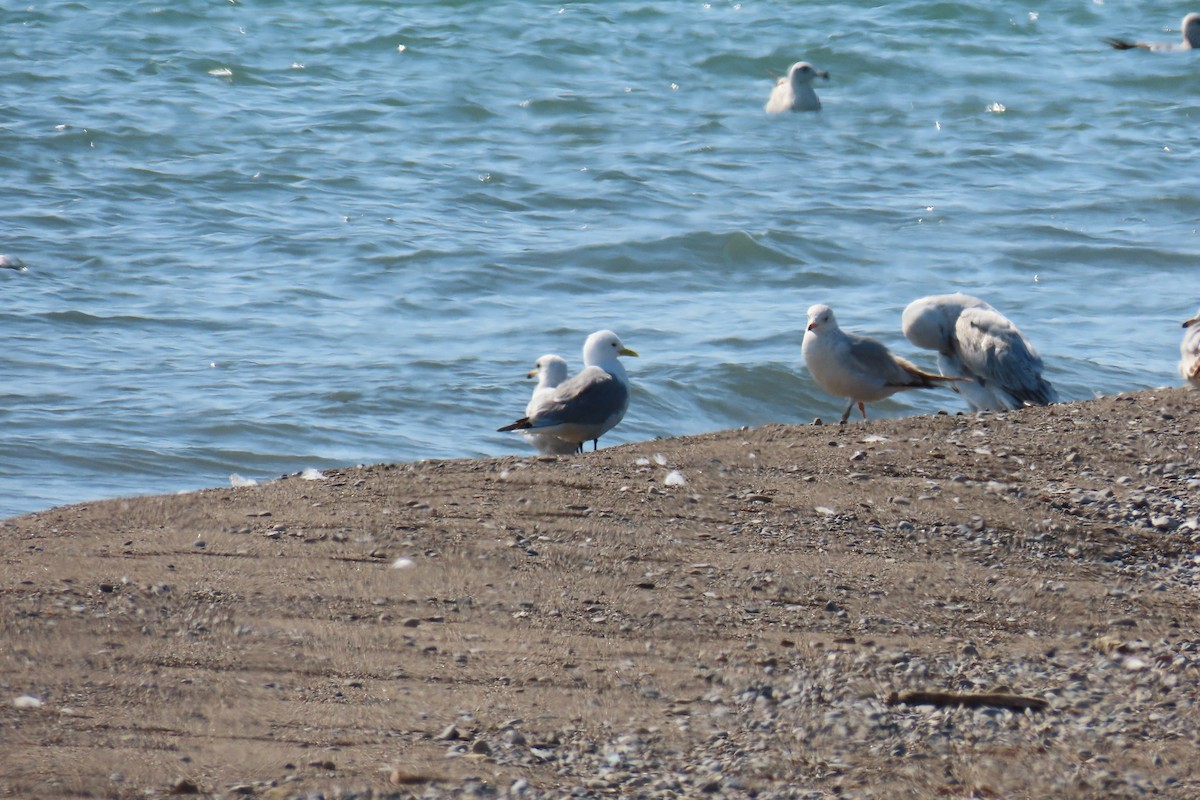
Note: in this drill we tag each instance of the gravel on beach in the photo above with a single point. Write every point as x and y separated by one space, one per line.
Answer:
962 606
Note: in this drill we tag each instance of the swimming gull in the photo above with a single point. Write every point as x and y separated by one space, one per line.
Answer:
1191 38
974 340
550 370
12 262
588 404
794 92
862 369
1189 352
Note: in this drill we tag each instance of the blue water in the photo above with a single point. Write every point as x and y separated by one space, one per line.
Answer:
265 236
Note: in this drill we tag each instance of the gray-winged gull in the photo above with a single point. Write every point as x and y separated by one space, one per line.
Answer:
588 404
1191 38
974 340
794 91
550 370
1189 352
862 369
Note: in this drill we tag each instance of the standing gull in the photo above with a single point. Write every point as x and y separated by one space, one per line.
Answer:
794 92
550 370
1191 38
856 367
974 340
1189 352
588 404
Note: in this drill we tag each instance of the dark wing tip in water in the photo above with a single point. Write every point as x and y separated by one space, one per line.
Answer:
1121 44
519 425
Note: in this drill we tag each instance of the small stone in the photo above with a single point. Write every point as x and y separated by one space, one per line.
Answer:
328 765
411 622
449 734
27 701
480 747
1134 664
401 778
185 786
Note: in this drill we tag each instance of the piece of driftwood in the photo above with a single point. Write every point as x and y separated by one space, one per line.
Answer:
999 699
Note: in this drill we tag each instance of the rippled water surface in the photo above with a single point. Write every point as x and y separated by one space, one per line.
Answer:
265 236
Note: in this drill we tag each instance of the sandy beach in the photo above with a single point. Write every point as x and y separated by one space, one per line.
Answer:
994 606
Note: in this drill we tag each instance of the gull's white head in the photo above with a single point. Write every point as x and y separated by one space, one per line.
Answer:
929 322
1191 31
603 346
820 318
926 325
550 370
803 72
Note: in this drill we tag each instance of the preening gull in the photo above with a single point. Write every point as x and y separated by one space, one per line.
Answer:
974 340
588 404
1191 38
862 369
794 92
1189 352
550 370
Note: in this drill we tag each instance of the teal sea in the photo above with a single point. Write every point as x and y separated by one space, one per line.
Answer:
266 236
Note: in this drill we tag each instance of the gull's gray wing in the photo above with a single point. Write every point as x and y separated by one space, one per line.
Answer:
997 353
979 396
589 398
872 358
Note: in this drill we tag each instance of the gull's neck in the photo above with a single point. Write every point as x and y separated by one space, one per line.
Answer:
805 97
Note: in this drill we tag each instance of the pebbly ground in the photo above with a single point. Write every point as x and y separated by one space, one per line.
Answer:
730 615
